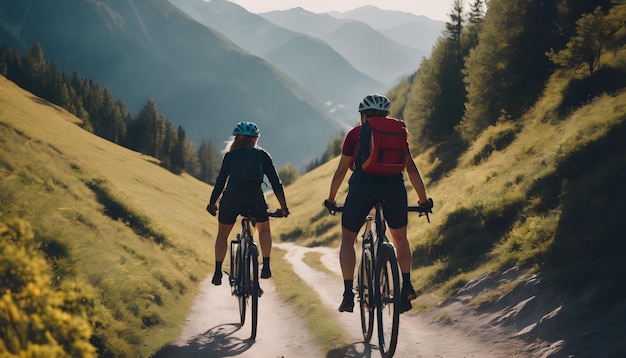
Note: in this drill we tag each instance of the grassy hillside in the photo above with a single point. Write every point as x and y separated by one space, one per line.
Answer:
542 193
136 240
107 218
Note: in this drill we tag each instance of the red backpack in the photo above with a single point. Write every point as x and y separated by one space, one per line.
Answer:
383 147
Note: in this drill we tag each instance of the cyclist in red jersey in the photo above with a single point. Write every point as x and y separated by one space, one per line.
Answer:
362 190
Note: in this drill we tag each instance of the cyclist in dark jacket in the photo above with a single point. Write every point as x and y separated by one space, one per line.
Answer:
244 166
362 190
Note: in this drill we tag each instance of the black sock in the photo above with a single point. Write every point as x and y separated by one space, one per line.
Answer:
218 266
266 262
347 286
406 277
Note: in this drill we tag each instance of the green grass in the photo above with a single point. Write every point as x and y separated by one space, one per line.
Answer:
505 202
115 223
313 259
320 320
107 219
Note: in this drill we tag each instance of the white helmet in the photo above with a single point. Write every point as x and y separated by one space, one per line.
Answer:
375 101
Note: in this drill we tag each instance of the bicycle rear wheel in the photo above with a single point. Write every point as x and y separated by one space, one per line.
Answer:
253 272
365 292
388 305
241 285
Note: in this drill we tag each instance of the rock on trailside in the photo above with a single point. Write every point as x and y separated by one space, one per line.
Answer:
213 330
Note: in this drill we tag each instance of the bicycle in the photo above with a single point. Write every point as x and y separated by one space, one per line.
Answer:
244 270
379 271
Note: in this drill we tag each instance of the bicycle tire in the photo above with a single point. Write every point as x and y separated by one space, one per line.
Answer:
388 290
232 273
243 280
365 291
253 256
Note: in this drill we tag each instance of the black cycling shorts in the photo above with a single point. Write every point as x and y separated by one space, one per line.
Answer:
235 203
362 197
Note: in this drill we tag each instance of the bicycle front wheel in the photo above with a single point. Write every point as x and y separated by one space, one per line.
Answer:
388 289
254 289
365 291
234 265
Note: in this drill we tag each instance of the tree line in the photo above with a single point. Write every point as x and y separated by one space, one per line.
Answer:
492 62
149 132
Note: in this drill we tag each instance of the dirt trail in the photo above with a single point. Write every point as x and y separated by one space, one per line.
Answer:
212 329
418 337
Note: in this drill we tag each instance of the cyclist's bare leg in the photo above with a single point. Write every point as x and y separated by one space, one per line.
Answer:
221 246
347 259
403 249
265 238
347 255
221 242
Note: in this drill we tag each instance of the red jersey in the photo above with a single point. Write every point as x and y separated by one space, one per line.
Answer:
350 144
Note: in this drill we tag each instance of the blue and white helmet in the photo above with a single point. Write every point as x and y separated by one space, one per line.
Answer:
249 129
375 101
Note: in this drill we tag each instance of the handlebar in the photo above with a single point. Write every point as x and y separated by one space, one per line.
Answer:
332 208
278 213
423 210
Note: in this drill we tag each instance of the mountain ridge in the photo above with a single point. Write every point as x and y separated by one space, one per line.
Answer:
314 64
408 49
196 76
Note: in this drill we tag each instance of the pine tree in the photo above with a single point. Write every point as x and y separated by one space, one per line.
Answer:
33 68
454 28
506 71
594 33
209 160
476 14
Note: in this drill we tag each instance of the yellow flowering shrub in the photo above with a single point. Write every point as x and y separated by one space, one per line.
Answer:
37 320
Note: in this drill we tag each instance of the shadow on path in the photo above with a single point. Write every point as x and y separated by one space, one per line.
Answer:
355 350
216 342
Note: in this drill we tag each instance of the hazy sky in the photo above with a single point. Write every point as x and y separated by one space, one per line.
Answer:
434 9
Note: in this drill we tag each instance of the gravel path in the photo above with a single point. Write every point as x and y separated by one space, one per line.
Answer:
212 329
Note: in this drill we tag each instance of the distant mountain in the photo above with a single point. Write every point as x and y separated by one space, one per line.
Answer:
304 21
197 77
310 61
366 48
373 53
405 28
328 75
376 17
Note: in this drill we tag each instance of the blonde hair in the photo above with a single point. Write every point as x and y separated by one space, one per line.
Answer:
239 141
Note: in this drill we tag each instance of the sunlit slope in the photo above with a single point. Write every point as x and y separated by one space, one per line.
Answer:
502 204
112 218
309 222
175 202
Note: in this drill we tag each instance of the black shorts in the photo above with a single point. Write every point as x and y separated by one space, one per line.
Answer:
362 197
235 203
